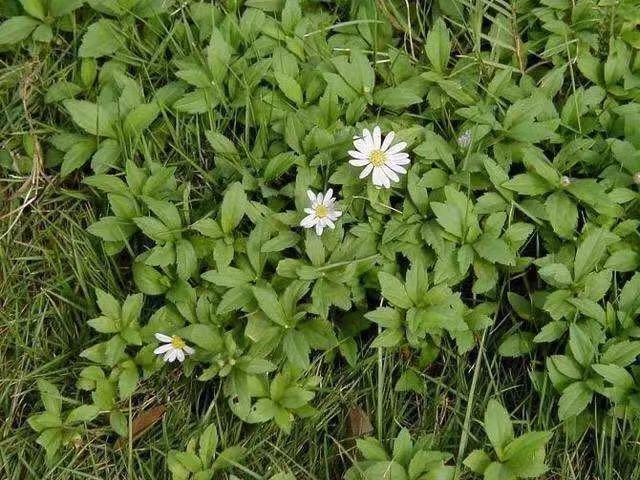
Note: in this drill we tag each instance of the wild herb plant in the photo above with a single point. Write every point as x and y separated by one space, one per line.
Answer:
421 205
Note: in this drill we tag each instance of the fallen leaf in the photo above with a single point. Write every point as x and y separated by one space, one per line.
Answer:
141 424
359 424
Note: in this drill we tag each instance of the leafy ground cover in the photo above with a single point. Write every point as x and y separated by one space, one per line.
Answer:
296 239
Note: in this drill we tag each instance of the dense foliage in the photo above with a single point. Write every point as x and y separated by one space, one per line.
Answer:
517 218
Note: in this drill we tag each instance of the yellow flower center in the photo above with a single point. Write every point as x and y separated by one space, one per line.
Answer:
322 211
177 342
377 158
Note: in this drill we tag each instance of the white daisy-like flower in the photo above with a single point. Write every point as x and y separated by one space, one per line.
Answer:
173 348
322 212
378 156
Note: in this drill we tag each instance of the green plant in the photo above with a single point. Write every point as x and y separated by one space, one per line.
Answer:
201 459
408 460
514 457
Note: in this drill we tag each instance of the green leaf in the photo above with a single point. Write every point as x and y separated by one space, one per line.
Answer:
403 447
296 348
83 413
393 290
233 207
208 227
291 15
148 279
50 396
477 461
227 277
43 421
581 346
17 29
396 97
390 337
591 250
221 144
101 38
270 305
556 274
497 424
528 184
574 400
280 242
131 308
51 441
91 117
186 259
289 87
516 344
59 8
410 381
387 470
278 165
140 118
34 8
525 455
104 325
498 471
438 45
385 317
615 375
77 156
61 91
371 449
622 353
154 229
551 332
563 214
208 444
495 250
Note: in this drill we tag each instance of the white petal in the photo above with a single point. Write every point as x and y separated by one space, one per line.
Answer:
359 162
387 141
390 173
319 228
311 196
308 221
377 137
368 139
366 171
398 155
309 211
330 224
180 355
378 176
169 355
163 348
398 160
320 198
335 214
362 146
188 350
162 337
328 197
396 168
398 147
387 181
357 154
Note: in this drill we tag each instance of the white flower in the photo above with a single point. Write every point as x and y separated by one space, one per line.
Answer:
464 140
174 347
322 212
380 157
